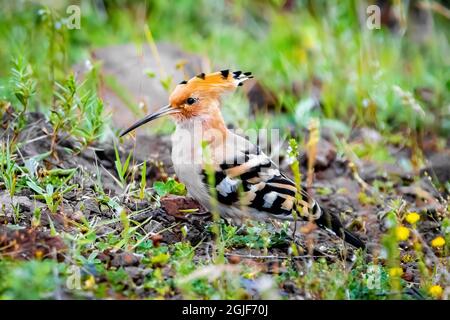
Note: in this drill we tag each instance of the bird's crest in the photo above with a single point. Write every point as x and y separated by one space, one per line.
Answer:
217 82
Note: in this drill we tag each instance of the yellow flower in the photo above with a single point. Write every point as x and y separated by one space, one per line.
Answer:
89 283
412 217
395 272
438 242
38 254
407 258
402 233
435 291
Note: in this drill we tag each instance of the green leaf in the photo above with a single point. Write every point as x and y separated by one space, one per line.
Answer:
160 188
169 187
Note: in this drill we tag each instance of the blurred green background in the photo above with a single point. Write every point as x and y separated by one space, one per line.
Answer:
312 58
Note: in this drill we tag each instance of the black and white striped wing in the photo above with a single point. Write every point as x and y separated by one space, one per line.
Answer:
255 181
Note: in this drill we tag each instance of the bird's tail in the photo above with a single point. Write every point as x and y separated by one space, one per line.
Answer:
354 240
331 223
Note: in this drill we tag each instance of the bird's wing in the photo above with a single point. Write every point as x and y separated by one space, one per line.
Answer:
252 179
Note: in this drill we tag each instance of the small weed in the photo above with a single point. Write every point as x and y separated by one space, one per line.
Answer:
122 169
171 186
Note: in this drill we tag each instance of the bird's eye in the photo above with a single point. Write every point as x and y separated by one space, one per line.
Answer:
190 101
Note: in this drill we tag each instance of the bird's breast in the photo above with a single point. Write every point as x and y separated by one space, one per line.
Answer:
187 163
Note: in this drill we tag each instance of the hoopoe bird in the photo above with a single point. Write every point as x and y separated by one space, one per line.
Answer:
248 184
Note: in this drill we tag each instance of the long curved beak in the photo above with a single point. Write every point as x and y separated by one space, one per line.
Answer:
158 114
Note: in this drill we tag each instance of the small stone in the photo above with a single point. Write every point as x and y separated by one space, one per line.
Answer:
234 259
367 135
71 195
153 226
103 257
156 239
125 259
87 206
25 204
104 208
102 230
289 287
77 216
135 272
408 275
326 153
142 216
175 205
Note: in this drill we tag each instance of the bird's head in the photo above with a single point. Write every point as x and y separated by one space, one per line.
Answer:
197 98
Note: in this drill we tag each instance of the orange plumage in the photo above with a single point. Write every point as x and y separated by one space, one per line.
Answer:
201 94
